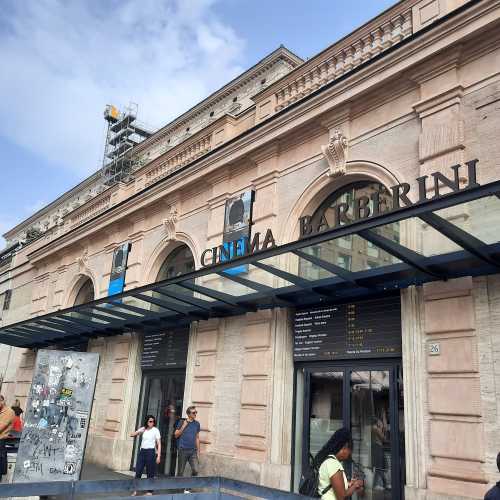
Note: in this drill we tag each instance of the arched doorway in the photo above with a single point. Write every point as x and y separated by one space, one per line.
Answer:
352 382
164 363
84 294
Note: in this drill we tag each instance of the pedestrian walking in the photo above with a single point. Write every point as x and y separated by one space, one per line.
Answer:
150 450
333 484
187 434
7 416
494 493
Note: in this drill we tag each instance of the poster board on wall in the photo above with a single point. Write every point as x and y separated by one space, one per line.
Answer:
57 417
119 269
237 227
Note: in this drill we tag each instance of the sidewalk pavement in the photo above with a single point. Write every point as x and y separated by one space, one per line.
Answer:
98 473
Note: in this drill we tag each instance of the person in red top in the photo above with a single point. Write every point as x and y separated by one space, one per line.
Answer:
17 424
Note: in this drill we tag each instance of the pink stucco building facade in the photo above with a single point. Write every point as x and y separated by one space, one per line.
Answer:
413 92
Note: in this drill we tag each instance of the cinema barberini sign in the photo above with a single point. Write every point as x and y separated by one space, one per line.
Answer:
428 187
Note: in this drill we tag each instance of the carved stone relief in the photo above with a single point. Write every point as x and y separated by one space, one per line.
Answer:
336 152
83 261
170 224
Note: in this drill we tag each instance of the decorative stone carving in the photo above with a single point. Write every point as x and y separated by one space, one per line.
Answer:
33 233
170 223
336 154
83 261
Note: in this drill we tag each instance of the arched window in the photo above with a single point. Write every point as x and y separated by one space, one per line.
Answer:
352 253
179 261
85 294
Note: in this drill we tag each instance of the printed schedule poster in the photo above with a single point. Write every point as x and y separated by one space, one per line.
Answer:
57 417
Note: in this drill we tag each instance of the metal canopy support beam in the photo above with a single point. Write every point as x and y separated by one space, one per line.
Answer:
22 333
402 253
259 287
61 323
42 333
114 312
172 307
328 266
114 322
8 339
131 307
148 317
193 301
220 296
91 325
292 278
225 298
460 237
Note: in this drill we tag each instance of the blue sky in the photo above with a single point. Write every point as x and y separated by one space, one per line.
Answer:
62 62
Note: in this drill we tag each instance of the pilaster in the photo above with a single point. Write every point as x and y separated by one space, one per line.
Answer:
442 137
455 424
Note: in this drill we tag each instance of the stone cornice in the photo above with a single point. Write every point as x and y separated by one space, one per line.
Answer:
58 201
281 53
428 42
344 43
439 101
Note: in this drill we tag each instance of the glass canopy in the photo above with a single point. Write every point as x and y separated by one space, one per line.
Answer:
456 235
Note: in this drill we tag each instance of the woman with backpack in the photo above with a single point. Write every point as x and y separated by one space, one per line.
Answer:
333 484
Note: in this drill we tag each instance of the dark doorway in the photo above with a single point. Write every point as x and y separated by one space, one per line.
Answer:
162 396
366 397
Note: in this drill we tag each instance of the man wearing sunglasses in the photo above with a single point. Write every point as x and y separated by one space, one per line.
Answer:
188 442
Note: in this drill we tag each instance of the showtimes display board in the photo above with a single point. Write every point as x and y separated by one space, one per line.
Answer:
364 329
167 349
57 417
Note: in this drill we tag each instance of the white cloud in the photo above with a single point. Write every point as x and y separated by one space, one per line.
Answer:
63 61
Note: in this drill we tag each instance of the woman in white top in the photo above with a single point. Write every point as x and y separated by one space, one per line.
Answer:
150 449
333 484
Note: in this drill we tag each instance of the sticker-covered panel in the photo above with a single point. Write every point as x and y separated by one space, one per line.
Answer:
57 417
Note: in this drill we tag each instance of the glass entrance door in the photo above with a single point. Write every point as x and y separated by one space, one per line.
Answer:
372 429
367 398
162 396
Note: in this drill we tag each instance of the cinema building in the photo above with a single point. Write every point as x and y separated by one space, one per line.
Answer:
315 245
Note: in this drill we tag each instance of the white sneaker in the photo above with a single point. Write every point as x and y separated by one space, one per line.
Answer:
187 491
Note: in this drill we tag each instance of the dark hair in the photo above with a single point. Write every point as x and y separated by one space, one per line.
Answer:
498 462
189 409
340 438
17 410
147 418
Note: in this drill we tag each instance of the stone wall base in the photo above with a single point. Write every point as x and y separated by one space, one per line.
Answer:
271 475
425 494
112 453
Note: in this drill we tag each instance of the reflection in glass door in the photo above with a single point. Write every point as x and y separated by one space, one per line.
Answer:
162 397
366 397
371 431
325 415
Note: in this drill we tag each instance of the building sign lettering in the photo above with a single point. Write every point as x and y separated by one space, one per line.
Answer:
363 207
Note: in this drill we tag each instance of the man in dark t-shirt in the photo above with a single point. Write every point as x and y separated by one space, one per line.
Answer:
494 493
187 434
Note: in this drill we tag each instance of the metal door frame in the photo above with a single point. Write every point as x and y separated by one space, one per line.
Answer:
392 365
144 396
